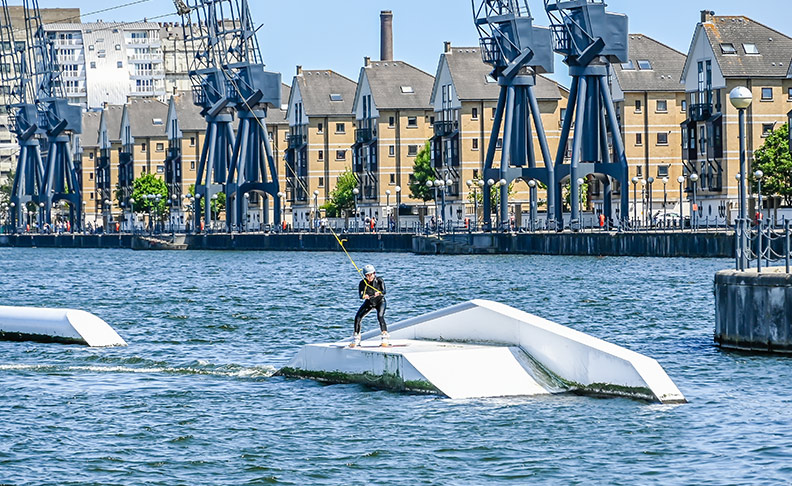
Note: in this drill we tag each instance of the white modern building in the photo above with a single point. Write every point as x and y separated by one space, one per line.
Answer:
110 62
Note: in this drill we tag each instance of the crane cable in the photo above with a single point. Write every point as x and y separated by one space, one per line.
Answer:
305 188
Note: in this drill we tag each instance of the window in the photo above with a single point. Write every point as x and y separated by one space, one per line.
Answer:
412 150
340 154
393 179
684 106
90 174
320 127
639 171
475 144
91 157
767 129
118 47
340 127
474 114
493 113
789 94
157 122
192 165
93 194
407 90
489 79
160 147
91 48
637 106
728 48
662 138
192 141
120 64
336 97
767 94
412 122
499 144
321 155
93 64
662 171
321 182
628 66
143 147
101 54
391 150
645 65
662 106
638 139
391 121
750 49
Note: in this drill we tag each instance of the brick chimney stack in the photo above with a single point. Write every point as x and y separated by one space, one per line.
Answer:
706 15
386 39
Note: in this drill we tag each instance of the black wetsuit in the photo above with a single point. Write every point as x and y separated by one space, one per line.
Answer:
373 302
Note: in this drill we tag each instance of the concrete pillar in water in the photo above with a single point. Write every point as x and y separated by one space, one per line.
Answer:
753 311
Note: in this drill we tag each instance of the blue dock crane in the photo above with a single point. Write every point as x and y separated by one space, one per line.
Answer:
229 79
590 39
518 51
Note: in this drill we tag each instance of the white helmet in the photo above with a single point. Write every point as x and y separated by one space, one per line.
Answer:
369 269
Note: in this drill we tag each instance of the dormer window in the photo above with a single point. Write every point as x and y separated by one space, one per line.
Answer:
156 121
489 79
728 48
336 97
407 90
628 66
750 49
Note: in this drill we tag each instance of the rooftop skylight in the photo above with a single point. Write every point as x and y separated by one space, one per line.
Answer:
407 89
750 49
728 48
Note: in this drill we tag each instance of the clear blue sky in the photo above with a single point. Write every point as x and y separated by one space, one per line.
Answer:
337 35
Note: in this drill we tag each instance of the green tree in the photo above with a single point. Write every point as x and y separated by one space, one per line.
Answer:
422 172
774 160
6 188
567 195
342 199
148 184
218 205
494 196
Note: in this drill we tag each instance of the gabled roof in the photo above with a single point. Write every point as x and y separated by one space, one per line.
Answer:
147 118
190 119
775 48
472 79
90 129
396 85
666 66
316 88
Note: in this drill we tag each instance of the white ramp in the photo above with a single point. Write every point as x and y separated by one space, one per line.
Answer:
56 325
476 372
482 348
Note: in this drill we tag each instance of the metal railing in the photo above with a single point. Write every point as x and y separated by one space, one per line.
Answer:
763 245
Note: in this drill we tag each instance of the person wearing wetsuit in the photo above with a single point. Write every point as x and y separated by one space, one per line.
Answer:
372 291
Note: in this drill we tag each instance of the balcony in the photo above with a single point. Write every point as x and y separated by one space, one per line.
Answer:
364 135
700 111
147 57
561 40
444 128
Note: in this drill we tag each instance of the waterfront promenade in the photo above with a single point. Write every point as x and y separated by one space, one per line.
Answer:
651 244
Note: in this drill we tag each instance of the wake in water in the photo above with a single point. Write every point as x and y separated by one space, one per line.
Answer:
195 368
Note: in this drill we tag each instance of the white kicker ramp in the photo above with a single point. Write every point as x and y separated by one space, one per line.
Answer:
64 325
486 349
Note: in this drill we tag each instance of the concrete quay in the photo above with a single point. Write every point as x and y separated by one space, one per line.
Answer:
645 244
753 311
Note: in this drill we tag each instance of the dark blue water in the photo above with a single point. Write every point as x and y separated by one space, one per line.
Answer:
192 399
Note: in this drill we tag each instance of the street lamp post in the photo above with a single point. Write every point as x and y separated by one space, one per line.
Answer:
196 209
681 180
132 215
580 182
650 199
504 224
643 201
533 209
387 210
316 211
635 199
41 217
665 199
282 199
694 207
213 212
741 98
355 193
398 205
